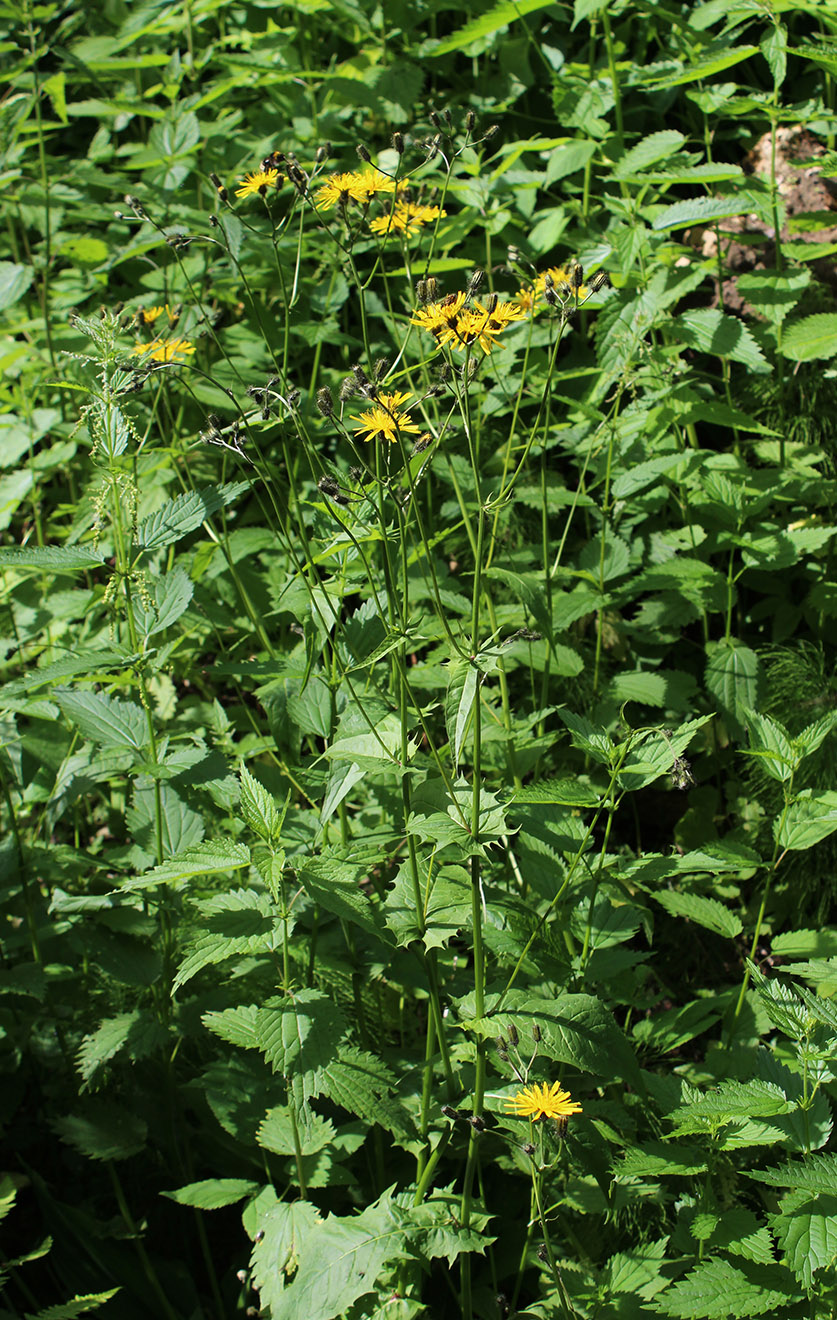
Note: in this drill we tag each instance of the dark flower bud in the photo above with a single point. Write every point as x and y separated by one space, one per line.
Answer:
550 295
491 132
448 118
294 397
470 121
434 119
578 276
380 368
450 1112
491 305
363 152
398 143
423 442
216 180
536 1034
329 487
360 374
474 282
600 280
543 1254
323 152
432 288
528 1149
421 291
477 1123
325 402
355 474
348 389
502 1044
513 1036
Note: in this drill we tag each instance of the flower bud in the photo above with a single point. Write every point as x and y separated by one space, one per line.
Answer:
325 402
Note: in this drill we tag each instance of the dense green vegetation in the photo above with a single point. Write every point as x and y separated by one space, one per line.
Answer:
418 694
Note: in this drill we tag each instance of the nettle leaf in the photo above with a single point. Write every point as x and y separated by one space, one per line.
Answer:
281 1129
817 1173
362 1084
336 886
435 1230
710 330
172 593
772 294
706 912
529 590
103 1131
811 337
106 720
654 754
138 1034
704 210
210 858
78 1305
729 1101
300 1035
654 148
672 1028
240 923
489 22
717 57
733 676
771 743
738 1232
561 792
50 558
808 820
637 1271
463 684
258 807
814 735
656 1159
806 1232
184 513
213 1193
575 1029
717 1290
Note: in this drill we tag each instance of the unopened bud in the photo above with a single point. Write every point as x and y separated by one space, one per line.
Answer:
323 152
528 1149
328 486
470 121
434 119
536 1034
398 143
450 1112
325 402
363 152
491 132
599 281
380 368
476 1122
474 282
491 305
513 1036
578 276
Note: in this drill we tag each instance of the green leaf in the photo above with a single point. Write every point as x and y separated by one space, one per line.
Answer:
360 1083
806 1232
339 1262
213 1193
243 922
463 682
210 858
78 1305
282 1130
702 211
805 944
809 820
561 792
655 1159
717 1290
712 331
106 720
14 281
568 158
184 513
714 60
706 912
771 743
335 886
732 677
655 147
817 1173
575 1029
491 21
738 1232
280 1229
444 905
729 1101
771 294
104 1131
138 1033
258 808
811 337
50 558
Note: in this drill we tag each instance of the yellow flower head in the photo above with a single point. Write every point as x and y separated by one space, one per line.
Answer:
258 182
148 315
165 350
440 318
386 419
375 181
406 218
342 188
542 1101
482 326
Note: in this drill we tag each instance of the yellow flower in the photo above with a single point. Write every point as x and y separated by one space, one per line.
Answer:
342 188
258 182
386 419
542 1101
406 217
148 315
375 181
482 326
440 318
531 298
165 350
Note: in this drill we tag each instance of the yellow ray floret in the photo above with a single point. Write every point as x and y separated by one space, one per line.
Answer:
542 1101
386 419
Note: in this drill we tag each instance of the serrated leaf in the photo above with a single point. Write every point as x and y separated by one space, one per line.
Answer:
656 1159
185 513
209 858
575 1029
106 720
14 281
702 210
279 1229
336 886
444 905
138 1033
729 1101
811 337
712 61
773 294
817 1173
808 820
78 1305
50 558
104 1131
717 1290
732 676
561 792
243 922
491 21
463 682
299 1036
656 147
710 330
213 1193
806 1232
706 912
258 808
362 1084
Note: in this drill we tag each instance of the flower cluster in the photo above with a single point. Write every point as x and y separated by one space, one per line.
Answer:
341 189
557 278
407 218
455 324
165 350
